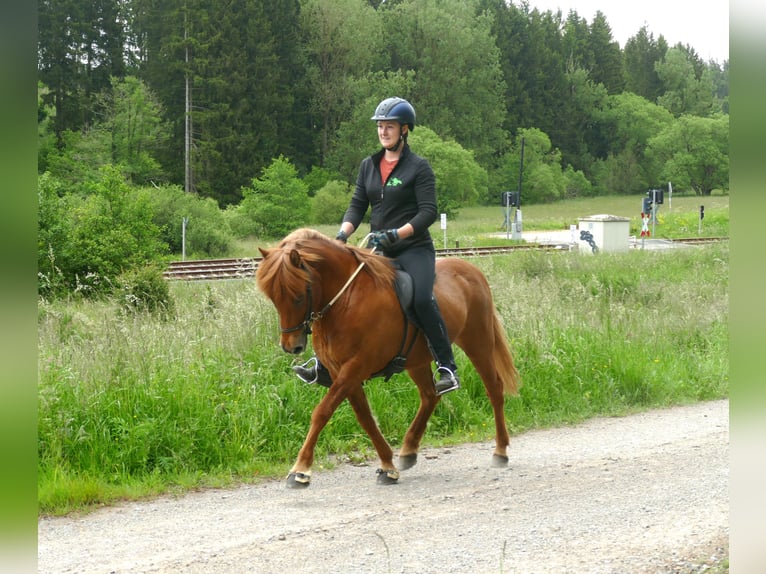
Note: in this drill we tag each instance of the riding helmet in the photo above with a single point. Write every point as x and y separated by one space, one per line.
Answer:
396 109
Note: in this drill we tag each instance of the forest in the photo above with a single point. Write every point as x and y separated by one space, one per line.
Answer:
251 116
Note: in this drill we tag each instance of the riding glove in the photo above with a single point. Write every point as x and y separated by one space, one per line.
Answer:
385 239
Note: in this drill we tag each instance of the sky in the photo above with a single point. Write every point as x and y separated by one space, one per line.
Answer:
702 25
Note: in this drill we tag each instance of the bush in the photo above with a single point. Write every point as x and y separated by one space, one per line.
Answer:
88 240
330 203
145 289
278 201
208 232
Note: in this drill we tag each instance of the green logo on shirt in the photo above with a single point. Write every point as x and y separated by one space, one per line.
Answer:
394 181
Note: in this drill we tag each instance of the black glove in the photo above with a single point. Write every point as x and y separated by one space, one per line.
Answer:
385 239
341 236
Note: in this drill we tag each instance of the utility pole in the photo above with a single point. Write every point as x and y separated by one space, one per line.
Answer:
187 119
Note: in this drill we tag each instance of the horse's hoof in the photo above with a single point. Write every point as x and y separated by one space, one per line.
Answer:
499 461
298 480
408 460
388 476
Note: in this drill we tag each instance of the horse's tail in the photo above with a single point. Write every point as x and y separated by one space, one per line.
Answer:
503 359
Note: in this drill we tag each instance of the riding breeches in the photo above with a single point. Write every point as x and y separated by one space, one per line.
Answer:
420 264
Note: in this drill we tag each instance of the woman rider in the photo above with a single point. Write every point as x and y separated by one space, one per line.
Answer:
401 189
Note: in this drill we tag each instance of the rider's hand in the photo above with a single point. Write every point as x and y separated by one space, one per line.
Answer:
385 239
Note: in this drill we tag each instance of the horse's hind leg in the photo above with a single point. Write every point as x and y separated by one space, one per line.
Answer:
408 454
477 352
387 474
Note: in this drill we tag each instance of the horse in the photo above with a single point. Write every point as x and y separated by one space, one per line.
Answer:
344 297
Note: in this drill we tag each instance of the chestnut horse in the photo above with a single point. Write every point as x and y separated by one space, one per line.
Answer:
344 296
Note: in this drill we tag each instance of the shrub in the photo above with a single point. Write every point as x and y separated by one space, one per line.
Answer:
208 232
330 203
145 290
278 201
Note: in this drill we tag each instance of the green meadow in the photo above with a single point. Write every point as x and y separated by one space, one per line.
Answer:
135 404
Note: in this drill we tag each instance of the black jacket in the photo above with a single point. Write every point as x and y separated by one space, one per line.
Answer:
409 196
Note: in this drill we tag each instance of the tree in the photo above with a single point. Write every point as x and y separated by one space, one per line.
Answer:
693 153
46 138
458 90
625 125
245 70
133 119
607 56
543 179
244 109
684 91
460 180
277 202
577 134
639 56
333 32
127 132
207 230
80 48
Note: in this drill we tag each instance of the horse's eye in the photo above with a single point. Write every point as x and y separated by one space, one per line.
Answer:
300 300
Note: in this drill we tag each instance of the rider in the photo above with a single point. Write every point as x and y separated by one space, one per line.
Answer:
401 188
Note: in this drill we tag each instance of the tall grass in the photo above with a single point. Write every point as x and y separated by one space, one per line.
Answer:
132 404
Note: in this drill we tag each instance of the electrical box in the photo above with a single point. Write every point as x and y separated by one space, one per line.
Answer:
610 233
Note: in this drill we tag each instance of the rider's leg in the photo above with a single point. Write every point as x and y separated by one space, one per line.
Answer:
420 264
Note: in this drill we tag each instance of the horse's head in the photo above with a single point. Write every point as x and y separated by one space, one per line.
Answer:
284 278
304 274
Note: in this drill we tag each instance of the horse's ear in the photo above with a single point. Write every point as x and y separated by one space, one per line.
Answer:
264 252
295 258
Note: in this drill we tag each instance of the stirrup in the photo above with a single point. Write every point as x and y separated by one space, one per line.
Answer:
445 380
310 366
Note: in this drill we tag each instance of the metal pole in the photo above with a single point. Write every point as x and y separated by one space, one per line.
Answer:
184 221
507 215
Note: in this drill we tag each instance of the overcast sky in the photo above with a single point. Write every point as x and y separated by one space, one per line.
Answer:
702 25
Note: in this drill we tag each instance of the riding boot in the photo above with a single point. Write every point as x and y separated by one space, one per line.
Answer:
445 378
312 371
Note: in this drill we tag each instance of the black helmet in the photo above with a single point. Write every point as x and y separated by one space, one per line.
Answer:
396 109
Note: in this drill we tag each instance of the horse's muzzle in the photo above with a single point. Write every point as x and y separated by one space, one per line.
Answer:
293 344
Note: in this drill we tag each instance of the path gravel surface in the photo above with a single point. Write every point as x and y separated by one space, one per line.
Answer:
637 494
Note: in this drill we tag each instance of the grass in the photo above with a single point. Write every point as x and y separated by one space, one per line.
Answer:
133 404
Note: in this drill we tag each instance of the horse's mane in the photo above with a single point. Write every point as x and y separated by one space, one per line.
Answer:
279 271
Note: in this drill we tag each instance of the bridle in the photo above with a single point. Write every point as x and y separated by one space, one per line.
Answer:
311 316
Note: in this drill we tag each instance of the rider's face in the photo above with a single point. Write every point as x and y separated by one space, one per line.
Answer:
389 132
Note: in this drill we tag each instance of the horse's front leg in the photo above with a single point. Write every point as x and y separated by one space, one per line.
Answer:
387 473
300 473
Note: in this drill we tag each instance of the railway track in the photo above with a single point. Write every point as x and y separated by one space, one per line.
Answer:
245 267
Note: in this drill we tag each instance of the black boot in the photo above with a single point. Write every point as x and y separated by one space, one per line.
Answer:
445 380
312 371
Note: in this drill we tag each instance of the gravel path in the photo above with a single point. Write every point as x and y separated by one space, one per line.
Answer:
645 493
